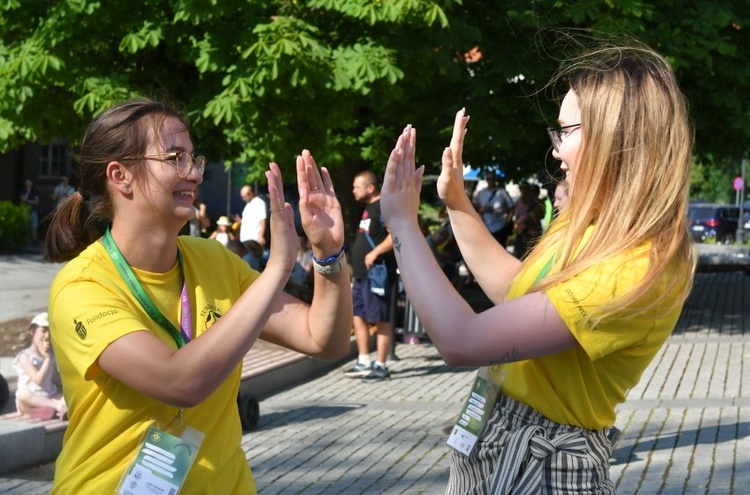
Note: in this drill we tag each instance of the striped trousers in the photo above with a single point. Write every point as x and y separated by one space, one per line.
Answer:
522 452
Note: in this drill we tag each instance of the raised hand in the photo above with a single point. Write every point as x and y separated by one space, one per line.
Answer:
450 184
45 349
399 196
319 208
283 233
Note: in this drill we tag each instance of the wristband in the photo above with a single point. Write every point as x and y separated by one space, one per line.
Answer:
332 268
330 260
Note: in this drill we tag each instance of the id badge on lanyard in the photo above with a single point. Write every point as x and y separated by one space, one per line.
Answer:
480 403
476 411
164 459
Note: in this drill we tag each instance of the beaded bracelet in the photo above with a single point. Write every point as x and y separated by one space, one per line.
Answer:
330 260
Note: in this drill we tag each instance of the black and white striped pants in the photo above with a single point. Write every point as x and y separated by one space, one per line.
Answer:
522 452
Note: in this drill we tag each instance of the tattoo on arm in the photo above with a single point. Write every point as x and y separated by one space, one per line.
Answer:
397 244
509 357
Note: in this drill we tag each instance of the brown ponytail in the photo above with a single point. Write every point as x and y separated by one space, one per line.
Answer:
122 130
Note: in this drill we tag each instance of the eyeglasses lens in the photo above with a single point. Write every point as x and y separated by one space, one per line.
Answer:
554 136
185 162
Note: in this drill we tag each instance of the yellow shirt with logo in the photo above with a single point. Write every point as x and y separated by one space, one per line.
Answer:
582 386
91 307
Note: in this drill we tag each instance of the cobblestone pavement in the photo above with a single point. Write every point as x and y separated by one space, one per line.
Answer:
686 427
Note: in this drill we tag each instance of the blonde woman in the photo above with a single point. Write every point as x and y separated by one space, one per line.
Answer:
577 322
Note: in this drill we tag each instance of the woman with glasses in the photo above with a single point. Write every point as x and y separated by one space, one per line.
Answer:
150 329
576 323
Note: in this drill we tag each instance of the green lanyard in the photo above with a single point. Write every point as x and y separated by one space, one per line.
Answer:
544 271
180 336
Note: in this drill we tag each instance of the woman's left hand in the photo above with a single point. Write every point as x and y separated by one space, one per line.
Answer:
399 197
320 211
284 246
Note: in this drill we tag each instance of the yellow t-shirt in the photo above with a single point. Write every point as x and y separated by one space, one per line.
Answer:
582 386
91 307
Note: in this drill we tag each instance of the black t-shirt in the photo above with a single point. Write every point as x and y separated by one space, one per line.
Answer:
372 223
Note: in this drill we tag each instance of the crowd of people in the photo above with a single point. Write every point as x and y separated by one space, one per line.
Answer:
149 327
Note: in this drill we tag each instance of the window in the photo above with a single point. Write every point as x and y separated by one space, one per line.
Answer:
54 160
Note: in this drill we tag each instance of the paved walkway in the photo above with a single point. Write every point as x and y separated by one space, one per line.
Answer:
24 285
686 426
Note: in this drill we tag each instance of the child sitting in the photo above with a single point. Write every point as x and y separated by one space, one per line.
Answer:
38 394
223 232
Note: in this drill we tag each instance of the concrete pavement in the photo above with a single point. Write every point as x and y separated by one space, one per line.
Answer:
686 426
24 285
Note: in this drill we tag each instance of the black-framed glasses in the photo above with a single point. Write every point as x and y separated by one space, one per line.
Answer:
557 134
181 160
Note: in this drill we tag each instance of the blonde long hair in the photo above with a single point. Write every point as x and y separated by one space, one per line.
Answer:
632 178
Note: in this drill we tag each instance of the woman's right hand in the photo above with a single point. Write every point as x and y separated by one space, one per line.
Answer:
450 184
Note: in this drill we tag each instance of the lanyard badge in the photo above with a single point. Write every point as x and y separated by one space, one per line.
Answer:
162 463
481 401
477 410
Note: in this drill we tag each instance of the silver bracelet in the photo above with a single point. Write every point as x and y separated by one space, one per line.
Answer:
332 268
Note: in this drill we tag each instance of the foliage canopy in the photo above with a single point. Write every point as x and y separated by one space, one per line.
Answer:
260 79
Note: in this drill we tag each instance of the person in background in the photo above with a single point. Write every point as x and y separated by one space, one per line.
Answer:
254 255
574 325
528 220
62 191
237 248
300 280
29 196
38 393
561 195
372 245
303 268
497 209
150 328
253 220
200 223
223 232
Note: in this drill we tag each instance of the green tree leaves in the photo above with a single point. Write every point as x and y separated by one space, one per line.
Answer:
148 35
261 79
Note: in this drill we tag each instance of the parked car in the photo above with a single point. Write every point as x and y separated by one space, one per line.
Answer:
711 221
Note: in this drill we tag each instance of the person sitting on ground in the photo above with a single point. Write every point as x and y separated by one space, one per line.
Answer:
38 393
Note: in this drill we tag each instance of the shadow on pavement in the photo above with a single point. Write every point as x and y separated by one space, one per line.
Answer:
270 420
707 435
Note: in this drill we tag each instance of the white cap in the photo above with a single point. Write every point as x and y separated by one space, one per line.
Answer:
41 320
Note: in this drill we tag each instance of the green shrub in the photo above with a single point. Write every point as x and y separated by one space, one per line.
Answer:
14 226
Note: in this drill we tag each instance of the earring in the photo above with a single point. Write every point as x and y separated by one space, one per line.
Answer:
127 189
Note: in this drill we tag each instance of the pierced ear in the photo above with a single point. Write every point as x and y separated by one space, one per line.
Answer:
119 177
